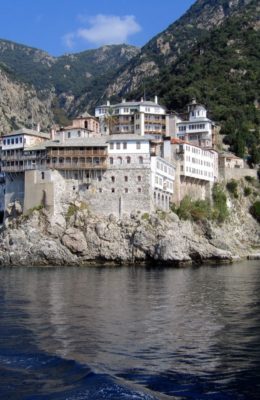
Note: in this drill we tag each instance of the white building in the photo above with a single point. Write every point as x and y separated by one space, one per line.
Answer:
196 168
198 129
131 117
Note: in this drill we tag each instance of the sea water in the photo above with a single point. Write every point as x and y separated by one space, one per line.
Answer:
130 332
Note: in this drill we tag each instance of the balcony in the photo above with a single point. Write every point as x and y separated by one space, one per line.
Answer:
76 165
77 153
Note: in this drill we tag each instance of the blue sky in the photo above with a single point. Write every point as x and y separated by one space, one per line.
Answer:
67 26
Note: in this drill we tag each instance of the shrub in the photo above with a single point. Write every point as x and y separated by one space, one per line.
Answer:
145 216
220 211
193 210
249 178
232 187
247 191
255 210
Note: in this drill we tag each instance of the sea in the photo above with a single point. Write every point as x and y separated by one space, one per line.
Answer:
106 332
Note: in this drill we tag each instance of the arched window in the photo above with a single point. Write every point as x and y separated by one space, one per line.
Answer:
128 160
141 160
113 179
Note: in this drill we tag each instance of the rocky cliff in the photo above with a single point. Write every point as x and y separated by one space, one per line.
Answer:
80 238
20 105
38 86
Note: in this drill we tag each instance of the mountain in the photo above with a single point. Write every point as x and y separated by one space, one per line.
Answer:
62 80
211 53
179 38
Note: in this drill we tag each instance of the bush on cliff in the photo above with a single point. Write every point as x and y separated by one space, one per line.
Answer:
195 210
232 187
220 211
255 210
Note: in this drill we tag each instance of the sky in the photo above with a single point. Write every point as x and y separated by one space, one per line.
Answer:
70 26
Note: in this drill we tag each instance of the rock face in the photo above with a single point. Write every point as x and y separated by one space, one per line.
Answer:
20 105
36 87
38 239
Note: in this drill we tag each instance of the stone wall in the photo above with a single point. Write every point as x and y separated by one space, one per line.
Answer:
115 191
14 188
236 173
38 190
195 188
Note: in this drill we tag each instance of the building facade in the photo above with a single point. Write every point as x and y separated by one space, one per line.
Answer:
197 129
131 117
115 174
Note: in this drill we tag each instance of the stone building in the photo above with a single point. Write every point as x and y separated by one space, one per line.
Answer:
132 117
15 160
233 167
85 125
115 174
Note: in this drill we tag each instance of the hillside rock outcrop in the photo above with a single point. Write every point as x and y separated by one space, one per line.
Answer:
83 238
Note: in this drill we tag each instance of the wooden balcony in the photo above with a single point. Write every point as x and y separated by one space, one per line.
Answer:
95 152
77 165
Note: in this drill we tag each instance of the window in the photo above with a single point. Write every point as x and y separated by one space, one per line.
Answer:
113 190
141 160
139 190
113 179
100 190
126 178
111 160
111 146
137 126
21 139
78 133
118 145
128 160
8 141
12 141
16 140
139 178
138 145
125 145
126 190
43 175
4 141
69 134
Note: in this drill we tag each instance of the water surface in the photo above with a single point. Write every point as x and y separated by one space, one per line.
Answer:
130 333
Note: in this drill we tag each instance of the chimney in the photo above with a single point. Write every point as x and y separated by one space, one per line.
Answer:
156 99
123 100
108 103
142 99
38 127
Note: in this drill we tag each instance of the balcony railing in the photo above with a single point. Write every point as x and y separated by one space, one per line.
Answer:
76 165
76 153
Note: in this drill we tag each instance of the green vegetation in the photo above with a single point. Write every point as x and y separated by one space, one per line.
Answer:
195 210
249 179
232 187
247 191
201 210
220 67
255 210
32 210
73 209
220 211
145 217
